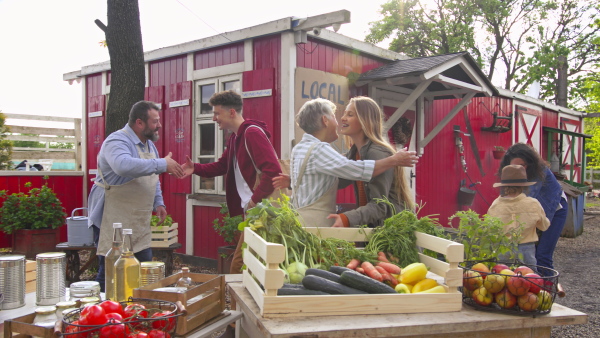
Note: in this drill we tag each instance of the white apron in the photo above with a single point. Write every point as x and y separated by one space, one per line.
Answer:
131 204
315 214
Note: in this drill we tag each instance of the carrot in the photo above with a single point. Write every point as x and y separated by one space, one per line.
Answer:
381 257
361 270
371 271
389 267
387 277
394 260
353 264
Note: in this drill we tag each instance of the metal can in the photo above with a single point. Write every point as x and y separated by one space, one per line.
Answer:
12 281
151 272
51 272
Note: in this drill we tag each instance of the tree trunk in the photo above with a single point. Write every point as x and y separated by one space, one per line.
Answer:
125 48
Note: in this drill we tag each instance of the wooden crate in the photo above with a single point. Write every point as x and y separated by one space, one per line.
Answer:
211 304
23 327
30 276
271 278
163 237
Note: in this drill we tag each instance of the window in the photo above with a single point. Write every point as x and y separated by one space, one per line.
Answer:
209 141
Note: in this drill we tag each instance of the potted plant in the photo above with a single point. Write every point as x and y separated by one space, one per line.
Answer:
32 218
226 227
498 152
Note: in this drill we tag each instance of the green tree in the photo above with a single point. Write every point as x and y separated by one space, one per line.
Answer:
516 42
5 145
592 125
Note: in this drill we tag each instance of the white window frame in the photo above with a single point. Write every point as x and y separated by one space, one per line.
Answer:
201 119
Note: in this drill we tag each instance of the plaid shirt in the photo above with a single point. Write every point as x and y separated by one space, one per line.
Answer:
324 166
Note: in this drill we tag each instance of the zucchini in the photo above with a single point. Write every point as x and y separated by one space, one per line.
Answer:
290 286
317 283
299 291
338 269
359 281
325 274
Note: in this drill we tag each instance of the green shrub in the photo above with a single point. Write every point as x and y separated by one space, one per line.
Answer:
37 209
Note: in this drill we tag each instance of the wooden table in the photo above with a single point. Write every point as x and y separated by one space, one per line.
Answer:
74 268
468 323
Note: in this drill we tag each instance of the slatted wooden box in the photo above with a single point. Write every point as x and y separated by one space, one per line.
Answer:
30 276
270 277
23 327
202 302
163 237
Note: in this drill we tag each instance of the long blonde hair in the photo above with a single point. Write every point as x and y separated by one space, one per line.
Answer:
370 117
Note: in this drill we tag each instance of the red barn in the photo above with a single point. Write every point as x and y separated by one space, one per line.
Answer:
443 105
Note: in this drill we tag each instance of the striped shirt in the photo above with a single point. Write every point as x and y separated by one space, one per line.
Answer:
324 166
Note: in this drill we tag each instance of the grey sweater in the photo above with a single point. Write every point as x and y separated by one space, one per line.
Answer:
373 214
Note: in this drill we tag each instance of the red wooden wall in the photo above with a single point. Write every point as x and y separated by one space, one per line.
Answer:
167 83
95 102
219 56
319 55
69 190
439 171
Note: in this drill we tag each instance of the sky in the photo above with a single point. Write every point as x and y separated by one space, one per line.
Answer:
40 40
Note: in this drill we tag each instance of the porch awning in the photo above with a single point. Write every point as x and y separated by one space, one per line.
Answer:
403 83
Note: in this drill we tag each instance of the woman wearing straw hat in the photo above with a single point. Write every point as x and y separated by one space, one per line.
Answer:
515 209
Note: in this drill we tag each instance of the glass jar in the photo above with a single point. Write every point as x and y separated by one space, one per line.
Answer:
66 312
87 301
62 306
185 281
84 289
45 316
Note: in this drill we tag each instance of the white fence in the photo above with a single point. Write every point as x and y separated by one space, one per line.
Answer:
47 134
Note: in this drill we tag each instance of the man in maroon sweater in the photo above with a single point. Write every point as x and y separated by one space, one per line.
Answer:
248 149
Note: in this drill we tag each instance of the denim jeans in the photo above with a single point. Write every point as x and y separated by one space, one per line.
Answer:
549 238
142 256
528 252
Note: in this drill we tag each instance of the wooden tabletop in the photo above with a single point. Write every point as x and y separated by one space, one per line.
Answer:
466 323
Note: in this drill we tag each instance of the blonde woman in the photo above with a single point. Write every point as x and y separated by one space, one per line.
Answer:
362 123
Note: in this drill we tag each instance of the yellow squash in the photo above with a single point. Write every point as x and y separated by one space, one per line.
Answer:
403 288
413 273
437 289
424 284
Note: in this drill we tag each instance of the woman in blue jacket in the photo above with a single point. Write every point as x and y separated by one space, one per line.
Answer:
547 191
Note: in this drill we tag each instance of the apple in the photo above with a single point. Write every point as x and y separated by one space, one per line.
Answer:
494 283
528 301
482 269
505 299
472 280
517 285
499 267
483 297
545 300
506 273
523 270
536 282
468 293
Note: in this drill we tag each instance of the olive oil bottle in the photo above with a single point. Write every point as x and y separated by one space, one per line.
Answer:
109 261
127 270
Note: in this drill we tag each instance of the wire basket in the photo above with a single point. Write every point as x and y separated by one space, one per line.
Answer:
516 294
157 315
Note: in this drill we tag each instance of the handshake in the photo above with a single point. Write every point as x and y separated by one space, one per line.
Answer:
179 170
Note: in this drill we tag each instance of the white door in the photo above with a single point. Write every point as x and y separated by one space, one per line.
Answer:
528 122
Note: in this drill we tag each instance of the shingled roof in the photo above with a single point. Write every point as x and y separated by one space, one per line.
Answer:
419 66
